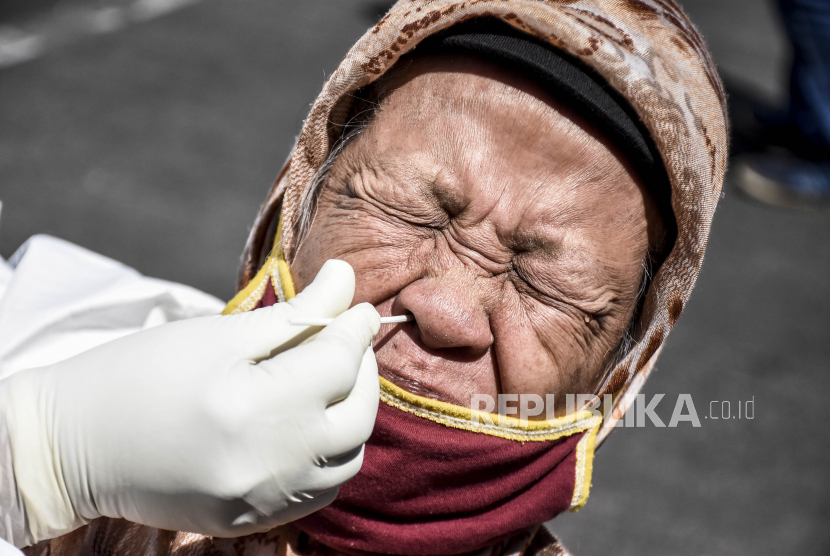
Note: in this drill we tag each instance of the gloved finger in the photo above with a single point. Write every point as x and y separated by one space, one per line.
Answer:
329 294
341 469
346 340
353 419
263 332
309 505
332 473
330 363
300 504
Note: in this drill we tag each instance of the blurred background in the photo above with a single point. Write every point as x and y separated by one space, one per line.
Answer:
151 130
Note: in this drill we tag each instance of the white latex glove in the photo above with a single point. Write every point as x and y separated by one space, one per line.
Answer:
190 426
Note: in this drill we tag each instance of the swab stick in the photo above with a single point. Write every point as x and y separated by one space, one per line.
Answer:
328 321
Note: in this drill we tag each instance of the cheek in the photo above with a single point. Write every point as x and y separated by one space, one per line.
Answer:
542 350
382 250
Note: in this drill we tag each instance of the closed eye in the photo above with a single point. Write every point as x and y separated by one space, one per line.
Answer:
586 310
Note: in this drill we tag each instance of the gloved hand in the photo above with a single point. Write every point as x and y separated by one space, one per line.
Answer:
196 425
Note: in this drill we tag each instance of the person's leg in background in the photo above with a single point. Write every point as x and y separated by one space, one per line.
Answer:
801 174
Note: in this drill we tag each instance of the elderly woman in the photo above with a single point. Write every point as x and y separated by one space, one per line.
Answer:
533 182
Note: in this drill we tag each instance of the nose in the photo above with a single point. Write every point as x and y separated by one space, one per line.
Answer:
450 311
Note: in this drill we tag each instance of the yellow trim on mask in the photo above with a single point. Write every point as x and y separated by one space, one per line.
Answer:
503 426
275 268
584 468
283 272
249 296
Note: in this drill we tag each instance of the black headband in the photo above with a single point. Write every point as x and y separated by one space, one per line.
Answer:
568 79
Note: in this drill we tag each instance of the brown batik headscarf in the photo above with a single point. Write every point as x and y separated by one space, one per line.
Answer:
647 50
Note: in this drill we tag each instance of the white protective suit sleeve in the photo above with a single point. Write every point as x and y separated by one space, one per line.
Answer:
58 300
12 516
13 526
61 300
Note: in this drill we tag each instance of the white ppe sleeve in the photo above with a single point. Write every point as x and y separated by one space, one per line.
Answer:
13 527
61 300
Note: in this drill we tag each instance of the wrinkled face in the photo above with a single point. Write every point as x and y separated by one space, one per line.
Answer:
511 232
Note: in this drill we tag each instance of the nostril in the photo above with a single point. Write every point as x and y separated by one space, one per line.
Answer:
446 316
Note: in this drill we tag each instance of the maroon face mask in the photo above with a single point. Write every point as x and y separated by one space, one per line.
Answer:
434 481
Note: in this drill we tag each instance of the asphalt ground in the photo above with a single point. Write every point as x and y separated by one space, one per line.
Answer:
155 143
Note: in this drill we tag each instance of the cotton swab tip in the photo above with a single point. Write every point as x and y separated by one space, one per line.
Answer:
398 318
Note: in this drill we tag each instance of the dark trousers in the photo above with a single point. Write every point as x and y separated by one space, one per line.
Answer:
808 26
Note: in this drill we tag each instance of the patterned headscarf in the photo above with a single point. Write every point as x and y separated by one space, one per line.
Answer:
647 50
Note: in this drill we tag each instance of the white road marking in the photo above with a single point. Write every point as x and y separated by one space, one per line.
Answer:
31 39
17 46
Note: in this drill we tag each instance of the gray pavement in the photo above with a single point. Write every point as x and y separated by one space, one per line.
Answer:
155 145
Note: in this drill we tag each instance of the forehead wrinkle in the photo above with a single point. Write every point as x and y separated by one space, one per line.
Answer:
459 149
463 125
523 231
474 228
458 156
551 233
499 177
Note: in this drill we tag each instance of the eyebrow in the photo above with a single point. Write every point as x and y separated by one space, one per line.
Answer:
429 183
448 197
537 243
